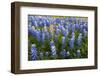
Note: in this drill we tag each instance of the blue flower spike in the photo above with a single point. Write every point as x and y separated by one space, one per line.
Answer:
63 42
34 55
79 40
71 43
53 52
63 53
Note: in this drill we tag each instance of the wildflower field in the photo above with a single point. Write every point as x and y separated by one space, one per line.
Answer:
57 37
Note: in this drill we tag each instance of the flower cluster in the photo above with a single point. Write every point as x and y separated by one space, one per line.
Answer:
57 37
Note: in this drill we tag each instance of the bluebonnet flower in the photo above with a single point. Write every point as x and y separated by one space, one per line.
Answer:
43 36
85 32
53 52
71 43
66 19
47 23
40 23
35 23
79 40
85 26
69 27
38 34
34 52
32 31
73 35
70 19
60 27
62 21
77 26
78 53
73 28
63 53
44 21
63 42
47 53
41 55
57 20
81 28
51 43
30 20
67 32
63 31
57 31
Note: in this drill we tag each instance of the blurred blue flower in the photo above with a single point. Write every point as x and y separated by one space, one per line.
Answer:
69 27
38 34
47 23
51 43
63 53
41 55
73 35
63 42
32 31
57 31
73 28
43 36
77 26
30 20
67 32
41 22
70 20
53 52
47 53
34 52
81 28
78 53
71 43
60 27
85 32
35 23
64 33
79 40
57 20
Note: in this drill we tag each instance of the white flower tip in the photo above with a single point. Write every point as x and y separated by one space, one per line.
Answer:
68 52
78 50
33 45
